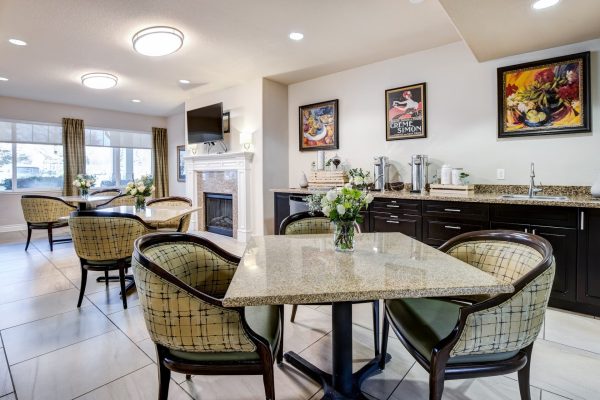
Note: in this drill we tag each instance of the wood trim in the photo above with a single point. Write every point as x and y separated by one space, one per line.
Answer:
170 198
39 196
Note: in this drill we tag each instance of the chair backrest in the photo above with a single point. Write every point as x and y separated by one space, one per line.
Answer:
120 200
106 192
42 209
172 201
180 279
99 236
306 222
505 322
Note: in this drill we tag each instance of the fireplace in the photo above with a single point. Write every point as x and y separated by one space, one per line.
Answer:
218 213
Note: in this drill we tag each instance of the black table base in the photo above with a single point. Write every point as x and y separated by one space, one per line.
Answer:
342 384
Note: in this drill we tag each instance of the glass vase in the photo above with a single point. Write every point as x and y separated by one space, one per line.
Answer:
140 203
343 236
84 193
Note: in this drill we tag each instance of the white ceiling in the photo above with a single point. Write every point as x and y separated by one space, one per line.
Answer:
226 42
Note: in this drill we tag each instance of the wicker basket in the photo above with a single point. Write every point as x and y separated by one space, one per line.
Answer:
327 179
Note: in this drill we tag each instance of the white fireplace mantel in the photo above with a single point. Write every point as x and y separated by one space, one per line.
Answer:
234 161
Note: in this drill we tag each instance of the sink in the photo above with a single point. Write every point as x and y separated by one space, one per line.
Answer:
526 197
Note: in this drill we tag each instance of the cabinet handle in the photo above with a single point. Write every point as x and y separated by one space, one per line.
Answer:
533 231
451 210
452 227
392 222
393 216
582 226
526 230
392 206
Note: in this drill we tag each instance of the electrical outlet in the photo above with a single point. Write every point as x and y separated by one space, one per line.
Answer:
500 174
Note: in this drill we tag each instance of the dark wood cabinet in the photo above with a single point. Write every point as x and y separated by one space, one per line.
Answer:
437 231
387 215
588 271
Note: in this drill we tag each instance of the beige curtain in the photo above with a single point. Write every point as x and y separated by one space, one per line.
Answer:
160 150
73 152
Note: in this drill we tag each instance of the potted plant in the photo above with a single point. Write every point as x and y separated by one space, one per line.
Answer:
84 182
343 207
141 189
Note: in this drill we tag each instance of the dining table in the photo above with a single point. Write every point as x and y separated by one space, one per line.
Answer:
86 202
305 269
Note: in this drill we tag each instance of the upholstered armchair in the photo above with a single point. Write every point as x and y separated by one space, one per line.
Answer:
104 242
460 338
106 192
120 200
179 224
314 223
45 212
181 280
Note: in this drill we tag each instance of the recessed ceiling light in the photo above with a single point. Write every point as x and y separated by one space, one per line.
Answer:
3 79
18 42
99 80
184 81
136 101
296 36
157 41
416 1
541 4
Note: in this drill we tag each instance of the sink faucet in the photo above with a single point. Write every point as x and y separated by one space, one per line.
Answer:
532 188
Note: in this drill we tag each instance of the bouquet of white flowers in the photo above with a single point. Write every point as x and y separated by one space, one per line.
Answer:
359 178
343 207
140 189
84 183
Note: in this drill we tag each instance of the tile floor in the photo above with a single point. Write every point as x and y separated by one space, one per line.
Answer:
49 349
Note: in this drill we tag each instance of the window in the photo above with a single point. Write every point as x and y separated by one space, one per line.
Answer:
31 156
117 157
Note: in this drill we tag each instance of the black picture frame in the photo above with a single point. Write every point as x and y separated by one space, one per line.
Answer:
180 163
406 112
327 119
557 101
226 122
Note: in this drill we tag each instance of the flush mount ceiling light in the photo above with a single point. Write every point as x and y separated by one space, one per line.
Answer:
17 42
416 1
3 79
136 101
296 36
157 41
99 80
541 4
184 81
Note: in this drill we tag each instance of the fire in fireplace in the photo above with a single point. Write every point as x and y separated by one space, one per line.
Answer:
218 213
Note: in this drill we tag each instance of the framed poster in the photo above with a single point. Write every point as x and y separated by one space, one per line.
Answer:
318 128
226 122
406 112
545 97
180 163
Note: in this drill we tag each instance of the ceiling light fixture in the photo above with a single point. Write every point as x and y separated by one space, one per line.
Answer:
184 81
296 36
157 41
99 80
416 1
541 4
17 42
136 101
3 79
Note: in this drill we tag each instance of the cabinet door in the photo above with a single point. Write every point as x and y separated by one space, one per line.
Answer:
410 225
282 209
511 227
437 231
564 245
588 277
364 225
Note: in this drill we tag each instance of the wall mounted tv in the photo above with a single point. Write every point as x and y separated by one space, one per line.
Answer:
205 125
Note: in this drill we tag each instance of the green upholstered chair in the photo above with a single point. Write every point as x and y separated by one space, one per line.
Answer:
181 280
315 222
106 192
460 338
45 212
179 224
120 200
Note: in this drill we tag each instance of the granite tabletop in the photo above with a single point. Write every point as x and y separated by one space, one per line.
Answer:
86 199
304 269
152 215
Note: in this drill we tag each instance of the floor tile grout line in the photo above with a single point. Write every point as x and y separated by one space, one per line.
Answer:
40 295
114 380
12 381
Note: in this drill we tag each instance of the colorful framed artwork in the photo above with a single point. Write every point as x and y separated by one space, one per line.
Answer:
545 97
226 122
406 112
319 126
180 163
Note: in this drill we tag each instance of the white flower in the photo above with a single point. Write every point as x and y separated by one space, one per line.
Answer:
351 180
130 184
331 195
348 186
141 188
79 176
88 183
133 191
77 183
326 210
359 180
369 198
341 209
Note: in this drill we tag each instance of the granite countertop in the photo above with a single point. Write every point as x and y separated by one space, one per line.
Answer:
152 215
304 269
576 198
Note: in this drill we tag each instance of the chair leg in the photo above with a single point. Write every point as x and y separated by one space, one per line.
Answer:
279 356
106 278
164 377
269 382
82 287
50 235
436 385
384 340
122 282
524 376
294 309
28 235
376 326
188 377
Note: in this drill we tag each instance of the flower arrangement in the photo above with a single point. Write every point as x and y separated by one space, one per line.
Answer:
359 178
343 207
84 183
140 189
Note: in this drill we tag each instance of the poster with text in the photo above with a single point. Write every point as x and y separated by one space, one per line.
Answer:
406 112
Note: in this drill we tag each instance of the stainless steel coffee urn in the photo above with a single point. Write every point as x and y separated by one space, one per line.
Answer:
381 173
419 172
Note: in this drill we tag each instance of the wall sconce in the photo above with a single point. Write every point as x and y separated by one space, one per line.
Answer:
246 140
192 148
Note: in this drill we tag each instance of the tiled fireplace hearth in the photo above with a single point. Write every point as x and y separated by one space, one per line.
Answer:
220 184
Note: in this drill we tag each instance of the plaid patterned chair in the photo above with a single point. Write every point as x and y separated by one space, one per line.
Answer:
460 338
106 192
120 200
314 222
179 224
45 212
104 242
181 280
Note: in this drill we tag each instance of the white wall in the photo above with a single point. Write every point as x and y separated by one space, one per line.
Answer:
11 217
176 137
461 101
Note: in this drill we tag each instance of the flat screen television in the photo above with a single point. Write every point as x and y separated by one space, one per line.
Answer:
205 125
